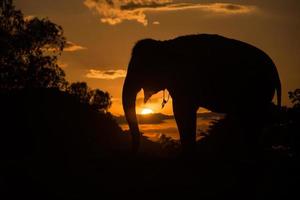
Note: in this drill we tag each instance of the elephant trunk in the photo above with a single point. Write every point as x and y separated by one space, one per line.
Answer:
130 90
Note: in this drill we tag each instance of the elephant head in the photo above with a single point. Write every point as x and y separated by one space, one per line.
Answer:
143 73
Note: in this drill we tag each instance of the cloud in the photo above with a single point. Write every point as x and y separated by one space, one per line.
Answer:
62 64
106 74
116 11
70 47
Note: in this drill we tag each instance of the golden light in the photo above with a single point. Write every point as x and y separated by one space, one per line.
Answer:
146 111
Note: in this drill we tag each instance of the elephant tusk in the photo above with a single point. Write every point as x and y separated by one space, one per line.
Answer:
165 101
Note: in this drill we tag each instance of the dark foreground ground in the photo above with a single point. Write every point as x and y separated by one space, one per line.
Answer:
53 147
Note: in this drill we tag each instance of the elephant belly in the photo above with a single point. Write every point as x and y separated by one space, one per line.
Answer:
215 105
235 95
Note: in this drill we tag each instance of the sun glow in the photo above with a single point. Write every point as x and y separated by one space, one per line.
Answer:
146 111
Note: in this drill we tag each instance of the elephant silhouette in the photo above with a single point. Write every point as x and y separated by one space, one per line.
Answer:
205 70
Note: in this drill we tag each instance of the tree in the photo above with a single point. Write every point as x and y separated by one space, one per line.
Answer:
100 100
29 51
81 91
295 98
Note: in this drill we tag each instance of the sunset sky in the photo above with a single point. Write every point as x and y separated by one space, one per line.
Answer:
101 34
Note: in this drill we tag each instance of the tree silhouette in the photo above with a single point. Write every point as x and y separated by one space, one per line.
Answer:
100 100
81 91
29 51
295 98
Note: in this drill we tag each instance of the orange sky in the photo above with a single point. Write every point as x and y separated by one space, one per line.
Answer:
101 34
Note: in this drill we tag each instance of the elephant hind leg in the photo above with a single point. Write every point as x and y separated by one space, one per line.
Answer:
186 116
253 124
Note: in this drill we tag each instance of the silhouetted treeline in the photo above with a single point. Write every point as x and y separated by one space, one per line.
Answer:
48 138
51 144
29 51
30 48
56 122
98 99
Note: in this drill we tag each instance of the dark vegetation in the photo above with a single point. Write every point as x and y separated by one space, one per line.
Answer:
58 140
53 145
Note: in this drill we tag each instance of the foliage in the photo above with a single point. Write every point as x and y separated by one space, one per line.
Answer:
295 97
81 91
29 51
169 146
28 57
52 144
98 99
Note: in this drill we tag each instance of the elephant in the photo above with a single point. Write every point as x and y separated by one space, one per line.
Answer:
221 74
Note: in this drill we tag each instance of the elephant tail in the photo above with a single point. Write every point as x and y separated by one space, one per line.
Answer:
278 88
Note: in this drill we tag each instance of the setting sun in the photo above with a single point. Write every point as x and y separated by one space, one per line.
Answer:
146 111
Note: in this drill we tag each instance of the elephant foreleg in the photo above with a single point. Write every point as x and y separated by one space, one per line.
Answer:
185 116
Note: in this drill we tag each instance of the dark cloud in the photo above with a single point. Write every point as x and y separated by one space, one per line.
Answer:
232 7
156 118
111 73
140 5
110 2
